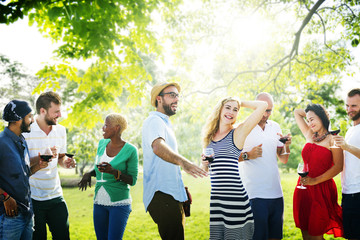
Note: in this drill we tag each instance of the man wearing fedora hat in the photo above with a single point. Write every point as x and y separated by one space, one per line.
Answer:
16 213
164 189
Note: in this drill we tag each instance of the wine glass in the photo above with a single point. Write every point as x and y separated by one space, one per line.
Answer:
303 171
284 139
209 155
70 155
97 161
334 133
47 154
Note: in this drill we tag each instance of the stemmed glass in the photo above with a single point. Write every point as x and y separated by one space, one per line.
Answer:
303 171
284 139
46 155
209 155
70 155
97 161
334 133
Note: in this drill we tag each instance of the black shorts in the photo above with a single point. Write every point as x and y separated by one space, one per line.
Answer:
351 214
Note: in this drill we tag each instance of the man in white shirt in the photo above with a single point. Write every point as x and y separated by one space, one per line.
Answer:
46 192
260 174
350 176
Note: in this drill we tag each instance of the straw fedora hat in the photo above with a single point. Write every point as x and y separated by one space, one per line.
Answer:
156 90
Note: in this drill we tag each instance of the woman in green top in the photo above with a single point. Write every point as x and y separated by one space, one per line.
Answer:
115 168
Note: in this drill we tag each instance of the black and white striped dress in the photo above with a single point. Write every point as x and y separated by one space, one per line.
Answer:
230 212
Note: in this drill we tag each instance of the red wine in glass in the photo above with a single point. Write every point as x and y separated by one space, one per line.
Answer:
303 174
46 158
283 140
209 154
334 133
209 158
69 155
303 171
101 165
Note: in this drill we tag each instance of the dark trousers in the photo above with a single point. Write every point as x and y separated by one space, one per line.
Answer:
55 214
351 215
169 215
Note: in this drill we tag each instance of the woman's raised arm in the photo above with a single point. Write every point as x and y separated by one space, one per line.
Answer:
243 130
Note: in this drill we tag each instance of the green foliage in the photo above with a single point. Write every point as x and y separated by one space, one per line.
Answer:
16 82
114 34
213 58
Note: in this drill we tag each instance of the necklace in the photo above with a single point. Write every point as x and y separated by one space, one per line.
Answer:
316 137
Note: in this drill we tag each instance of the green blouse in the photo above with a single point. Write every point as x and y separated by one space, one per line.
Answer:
126 161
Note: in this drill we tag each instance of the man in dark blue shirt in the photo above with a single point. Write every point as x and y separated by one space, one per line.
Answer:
16 214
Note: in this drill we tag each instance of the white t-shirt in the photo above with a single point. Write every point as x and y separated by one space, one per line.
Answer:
261 176
45 183
350 176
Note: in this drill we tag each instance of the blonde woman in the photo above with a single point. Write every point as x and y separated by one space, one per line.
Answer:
230 212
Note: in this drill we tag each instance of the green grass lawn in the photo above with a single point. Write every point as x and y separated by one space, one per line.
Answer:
141 226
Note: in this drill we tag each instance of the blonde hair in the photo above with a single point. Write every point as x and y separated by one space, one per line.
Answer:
118 119
212 122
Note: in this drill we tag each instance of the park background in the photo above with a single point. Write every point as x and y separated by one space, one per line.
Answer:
104 56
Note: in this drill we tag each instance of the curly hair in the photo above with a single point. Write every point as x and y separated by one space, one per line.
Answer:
320 111
212 123
118 119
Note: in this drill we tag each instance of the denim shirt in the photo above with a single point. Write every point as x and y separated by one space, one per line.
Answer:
15 170
160 175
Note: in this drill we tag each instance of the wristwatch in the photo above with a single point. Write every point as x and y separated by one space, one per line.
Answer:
245 156
3 196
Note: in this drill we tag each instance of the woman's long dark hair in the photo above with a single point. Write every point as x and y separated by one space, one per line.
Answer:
319 110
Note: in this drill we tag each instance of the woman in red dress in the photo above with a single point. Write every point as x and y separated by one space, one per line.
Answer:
316 209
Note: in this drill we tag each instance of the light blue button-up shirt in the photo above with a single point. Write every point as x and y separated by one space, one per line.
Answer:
160 175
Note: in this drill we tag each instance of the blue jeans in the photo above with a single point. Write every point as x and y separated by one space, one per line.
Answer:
110 221
19 227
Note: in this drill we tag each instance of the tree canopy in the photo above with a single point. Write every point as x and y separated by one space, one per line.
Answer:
299 51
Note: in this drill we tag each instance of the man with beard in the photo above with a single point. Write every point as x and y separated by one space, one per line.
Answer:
164 190
260 175
16 212
46 192
350 176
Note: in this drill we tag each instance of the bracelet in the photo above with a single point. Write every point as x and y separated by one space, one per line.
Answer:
118 175
6 198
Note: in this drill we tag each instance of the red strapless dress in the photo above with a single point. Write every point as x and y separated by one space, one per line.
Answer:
316 208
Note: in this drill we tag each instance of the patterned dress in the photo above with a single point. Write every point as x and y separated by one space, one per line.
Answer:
230 212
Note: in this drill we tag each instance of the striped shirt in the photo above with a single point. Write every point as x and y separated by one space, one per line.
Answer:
230 212
45 183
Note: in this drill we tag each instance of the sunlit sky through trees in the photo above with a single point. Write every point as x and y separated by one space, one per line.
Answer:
249 34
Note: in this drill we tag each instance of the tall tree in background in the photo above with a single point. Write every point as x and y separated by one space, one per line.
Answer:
114 34
304 56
